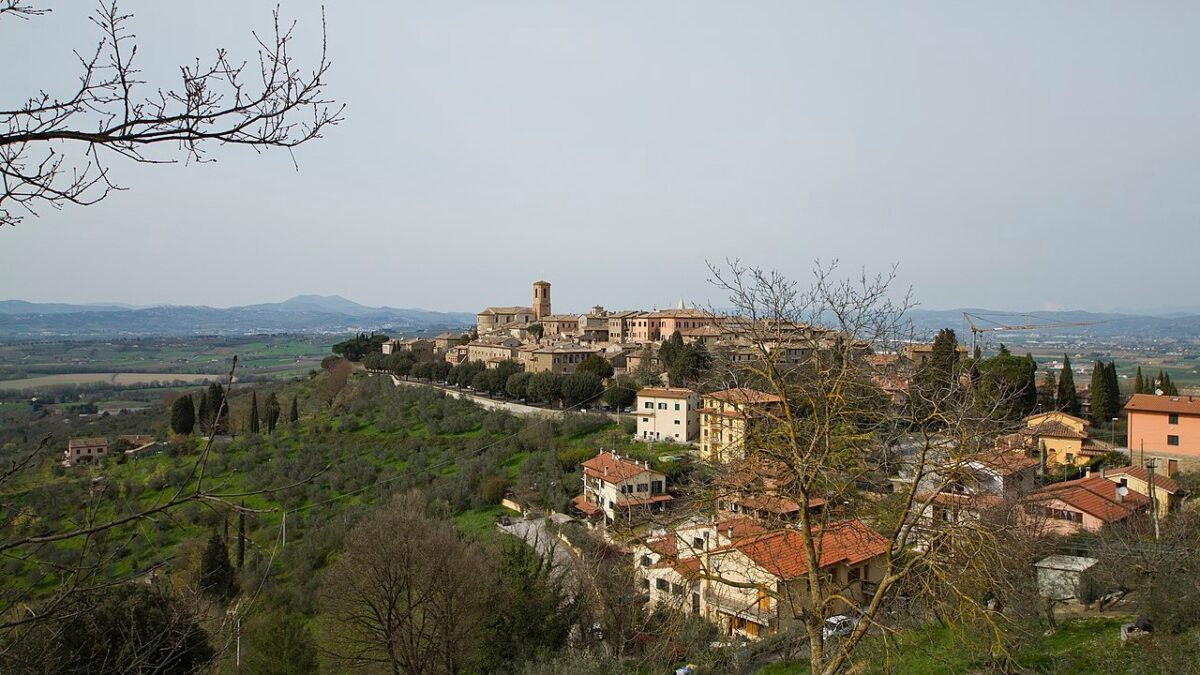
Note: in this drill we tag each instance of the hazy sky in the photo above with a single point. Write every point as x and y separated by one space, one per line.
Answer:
1006 155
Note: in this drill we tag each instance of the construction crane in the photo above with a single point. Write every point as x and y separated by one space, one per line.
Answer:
997 326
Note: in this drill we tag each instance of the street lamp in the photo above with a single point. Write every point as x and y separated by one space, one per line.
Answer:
1112 433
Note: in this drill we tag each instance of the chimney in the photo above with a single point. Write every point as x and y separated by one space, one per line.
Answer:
1102 471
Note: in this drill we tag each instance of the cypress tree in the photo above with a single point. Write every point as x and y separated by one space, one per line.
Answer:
1101 396
1114 387
183 415
294 416
272 412
1066 399
218 410
1049 389
254 412
216 574
1139 385
203 414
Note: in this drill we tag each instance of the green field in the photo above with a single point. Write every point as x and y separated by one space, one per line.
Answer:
115 379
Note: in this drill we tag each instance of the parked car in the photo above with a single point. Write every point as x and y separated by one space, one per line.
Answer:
838 626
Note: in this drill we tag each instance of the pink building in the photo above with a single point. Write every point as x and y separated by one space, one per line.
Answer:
1166 425
1083 505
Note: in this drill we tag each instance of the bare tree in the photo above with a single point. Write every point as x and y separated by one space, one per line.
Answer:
55 149
407 595
828 430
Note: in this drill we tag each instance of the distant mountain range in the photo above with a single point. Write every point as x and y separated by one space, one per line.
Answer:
1095 325
20 320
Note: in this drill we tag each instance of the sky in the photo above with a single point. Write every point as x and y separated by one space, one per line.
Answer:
1008 155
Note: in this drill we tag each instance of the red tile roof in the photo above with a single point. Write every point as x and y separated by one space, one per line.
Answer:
1095 496
666 546
782 553
585 507
612 468
665 392
1161 480
1180 405
743 396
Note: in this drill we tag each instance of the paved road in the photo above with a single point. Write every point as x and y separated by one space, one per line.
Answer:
495 404
536 533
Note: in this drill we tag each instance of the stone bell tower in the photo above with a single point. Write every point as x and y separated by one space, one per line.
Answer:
541 299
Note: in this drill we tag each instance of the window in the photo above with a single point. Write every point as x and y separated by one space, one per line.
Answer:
695 603
643 487
1172 440
661 584
645 584
677 406
649 405
1070 457
697 543
646 561
1173 419
662 406
676 421
854 574
645 419
656 487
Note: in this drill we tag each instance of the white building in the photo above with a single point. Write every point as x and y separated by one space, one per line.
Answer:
618 488
668 414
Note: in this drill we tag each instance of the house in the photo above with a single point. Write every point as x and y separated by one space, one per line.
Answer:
668 414
918 353
560 358
421 348
1166 427
961 491
1168 494
749 581
593 326
1082 505
620 325
726 418
682 318
492 349
1064 439
443 342
85 450
559 324
619 489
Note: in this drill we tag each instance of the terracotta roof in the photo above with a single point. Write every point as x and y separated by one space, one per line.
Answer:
85 442
1182 405
702 331
1139 472
1059 413
744 395
665 392
667 545
1053 429
508 310
782 553
585 507
1095 496
612 468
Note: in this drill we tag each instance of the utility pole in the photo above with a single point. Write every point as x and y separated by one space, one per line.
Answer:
1150 467
284 533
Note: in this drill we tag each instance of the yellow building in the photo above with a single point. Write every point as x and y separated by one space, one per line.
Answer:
725 417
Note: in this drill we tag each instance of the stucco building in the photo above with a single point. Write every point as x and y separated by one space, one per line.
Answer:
668 414
726 418
1166 427
619 489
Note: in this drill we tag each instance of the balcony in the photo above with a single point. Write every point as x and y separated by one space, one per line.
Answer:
735 606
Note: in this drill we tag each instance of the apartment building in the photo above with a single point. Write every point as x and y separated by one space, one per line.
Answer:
593 326
1166 427
620 325
726 418
560 324
492 349
668 414
619 489
558 358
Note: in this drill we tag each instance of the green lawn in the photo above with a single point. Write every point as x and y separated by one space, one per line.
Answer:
1080 647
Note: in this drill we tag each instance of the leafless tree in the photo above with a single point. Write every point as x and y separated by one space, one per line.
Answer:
828 432
407 595
56 149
